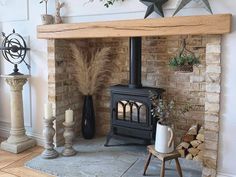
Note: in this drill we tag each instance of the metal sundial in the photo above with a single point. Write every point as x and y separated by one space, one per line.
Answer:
14 50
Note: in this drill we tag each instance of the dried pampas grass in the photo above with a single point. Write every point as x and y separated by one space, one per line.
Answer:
92 68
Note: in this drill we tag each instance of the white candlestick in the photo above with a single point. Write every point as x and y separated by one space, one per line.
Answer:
69 116
48 111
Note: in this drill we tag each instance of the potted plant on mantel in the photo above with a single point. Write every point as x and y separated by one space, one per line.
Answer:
46 18
185 60
92 70
163 111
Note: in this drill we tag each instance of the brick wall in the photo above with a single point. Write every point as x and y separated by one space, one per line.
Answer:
201 88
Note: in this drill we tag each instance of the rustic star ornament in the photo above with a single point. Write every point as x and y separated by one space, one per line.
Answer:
183 3
154 5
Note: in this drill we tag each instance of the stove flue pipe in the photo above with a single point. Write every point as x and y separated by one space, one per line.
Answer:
135 72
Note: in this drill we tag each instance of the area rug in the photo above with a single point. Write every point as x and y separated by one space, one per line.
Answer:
95 160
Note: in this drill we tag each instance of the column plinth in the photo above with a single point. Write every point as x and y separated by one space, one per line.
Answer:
18 141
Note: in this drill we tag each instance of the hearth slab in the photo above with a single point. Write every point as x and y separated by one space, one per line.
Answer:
95 160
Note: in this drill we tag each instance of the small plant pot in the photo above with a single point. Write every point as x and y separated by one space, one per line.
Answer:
47 19
184 68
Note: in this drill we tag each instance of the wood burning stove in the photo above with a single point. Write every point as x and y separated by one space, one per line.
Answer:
130 104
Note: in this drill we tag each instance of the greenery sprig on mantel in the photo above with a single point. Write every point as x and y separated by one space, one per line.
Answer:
108 3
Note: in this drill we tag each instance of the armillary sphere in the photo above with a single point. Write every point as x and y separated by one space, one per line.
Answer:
14 50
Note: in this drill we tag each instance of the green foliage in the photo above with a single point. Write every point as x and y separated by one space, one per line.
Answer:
109 3
162 110
182 60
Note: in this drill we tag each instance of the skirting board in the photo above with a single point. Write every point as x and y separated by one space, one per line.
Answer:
5 131
219 174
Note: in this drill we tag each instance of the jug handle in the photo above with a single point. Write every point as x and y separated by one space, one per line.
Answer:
171 137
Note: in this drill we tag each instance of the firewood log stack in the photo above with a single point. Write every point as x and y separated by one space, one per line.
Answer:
192 145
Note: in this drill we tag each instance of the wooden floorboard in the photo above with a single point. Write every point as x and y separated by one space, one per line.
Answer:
12 165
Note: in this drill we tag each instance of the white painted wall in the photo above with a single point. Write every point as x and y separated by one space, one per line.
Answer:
79 11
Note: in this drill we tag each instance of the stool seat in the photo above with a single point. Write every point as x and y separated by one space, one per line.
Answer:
163 157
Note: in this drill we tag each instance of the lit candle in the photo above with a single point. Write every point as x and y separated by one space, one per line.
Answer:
69 116
48 111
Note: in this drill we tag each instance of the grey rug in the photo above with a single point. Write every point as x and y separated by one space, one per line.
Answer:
95 160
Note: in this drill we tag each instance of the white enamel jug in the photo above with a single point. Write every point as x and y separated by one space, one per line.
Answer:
164 139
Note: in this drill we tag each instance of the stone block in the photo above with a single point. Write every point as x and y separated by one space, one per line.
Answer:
196 78
211 135
213 78
213 39
212 126
209 162
208 172
212 154
212 107
213 48
211 145
213 97
213 87
212 118
213 59
213 69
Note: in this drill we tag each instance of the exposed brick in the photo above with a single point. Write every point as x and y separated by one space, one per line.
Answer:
202 87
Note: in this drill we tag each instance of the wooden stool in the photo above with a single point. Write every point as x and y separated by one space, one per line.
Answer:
163 157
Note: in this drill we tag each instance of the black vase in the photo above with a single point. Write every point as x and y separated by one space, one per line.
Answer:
88 118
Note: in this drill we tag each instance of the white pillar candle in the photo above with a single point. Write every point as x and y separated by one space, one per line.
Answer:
48 111
69 116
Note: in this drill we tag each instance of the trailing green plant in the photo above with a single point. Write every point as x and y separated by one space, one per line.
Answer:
184 60
108 3
165 111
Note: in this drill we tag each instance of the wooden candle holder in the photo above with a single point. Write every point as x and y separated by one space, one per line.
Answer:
68 135
48 133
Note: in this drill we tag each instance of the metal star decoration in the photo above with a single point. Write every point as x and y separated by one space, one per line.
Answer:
183 3
154 5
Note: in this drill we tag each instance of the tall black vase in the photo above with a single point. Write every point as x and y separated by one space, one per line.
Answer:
88 118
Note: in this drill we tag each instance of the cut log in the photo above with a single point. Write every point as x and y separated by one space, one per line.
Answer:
201 147
193 151
188 138
193 130
189 157
183 145
200 137
195 143
182 152
201 131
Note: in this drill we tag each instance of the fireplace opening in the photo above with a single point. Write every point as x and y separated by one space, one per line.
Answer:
130 104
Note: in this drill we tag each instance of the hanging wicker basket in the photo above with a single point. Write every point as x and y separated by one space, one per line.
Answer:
184 68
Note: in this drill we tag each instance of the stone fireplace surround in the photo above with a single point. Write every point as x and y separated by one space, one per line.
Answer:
202 87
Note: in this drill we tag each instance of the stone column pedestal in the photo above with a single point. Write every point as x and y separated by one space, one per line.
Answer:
18 141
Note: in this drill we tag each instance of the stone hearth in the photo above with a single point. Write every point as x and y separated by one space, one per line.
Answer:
201 88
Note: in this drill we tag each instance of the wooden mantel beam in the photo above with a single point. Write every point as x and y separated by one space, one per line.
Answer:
182 25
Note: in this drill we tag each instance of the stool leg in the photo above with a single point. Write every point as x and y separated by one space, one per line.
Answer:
147 163
163 169
178 167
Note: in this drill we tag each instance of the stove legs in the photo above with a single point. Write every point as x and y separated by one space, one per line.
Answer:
109 136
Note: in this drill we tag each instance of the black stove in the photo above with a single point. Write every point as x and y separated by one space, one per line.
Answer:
130 104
